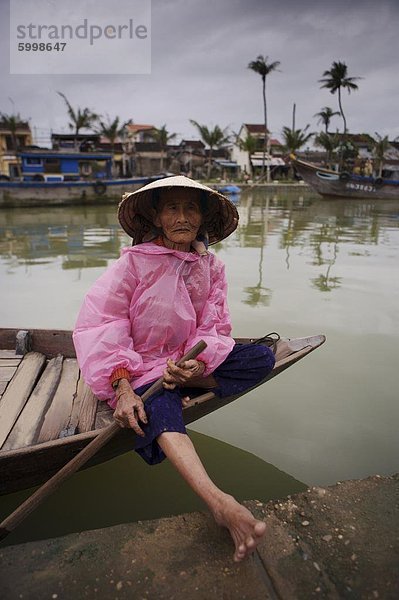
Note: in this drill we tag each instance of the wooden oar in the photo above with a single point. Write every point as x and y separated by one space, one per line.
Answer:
20 513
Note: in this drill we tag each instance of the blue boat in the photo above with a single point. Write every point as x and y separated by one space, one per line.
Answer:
228 189
52 177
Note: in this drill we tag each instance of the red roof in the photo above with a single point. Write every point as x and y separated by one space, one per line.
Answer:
134 127
255 128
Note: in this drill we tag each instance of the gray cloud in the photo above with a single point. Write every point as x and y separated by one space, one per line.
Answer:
200 53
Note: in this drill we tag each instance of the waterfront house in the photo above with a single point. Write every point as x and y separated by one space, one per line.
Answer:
361 151
10 143
135 153
94 142
146 151
253 163
362 143
141 133
84 142
191 157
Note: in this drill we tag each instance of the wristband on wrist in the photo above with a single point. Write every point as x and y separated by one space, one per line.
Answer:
117 375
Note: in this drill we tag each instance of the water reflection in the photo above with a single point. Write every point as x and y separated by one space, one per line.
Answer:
89 237
309 223
297 264
326 282
258 294
79 238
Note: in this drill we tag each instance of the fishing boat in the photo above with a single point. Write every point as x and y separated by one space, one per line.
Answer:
62 177
48 414
347 185
66 193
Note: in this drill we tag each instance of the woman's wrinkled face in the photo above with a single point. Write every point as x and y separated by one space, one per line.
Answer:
179 215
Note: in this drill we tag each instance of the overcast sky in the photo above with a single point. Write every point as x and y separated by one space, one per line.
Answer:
200 53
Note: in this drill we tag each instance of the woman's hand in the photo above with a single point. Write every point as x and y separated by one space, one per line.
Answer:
129 408
181 376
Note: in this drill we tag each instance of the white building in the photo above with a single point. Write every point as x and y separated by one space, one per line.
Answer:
250 163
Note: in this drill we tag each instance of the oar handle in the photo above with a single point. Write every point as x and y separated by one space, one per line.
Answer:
157 385
20 513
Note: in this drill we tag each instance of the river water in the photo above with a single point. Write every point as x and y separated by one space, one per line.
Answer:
298 265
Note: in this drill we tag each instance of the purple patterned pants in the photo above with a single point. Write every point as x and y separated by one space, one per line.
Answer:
245 366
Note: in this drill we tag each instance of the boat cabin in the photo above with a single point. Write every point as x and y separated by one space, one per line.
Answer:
58 165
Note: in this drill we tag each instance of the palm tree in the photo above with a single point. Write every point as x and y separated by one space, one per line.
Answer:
380 148
214 138
263 68
248 145
329 142
325 116
294 139
111 130
337 78
163 137
80 118
12 124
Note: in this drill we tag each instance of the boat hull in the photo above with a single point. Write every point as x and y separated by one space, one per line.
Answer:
62 193
25 467
345 185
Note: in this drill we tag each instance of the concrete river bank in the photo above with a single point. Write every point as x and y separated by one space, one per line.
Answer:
336 542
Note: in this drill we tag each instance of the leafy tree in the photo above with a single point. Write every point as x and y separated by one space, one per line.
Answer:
337 78
111 129
79 118
214 138
325 116
263 68
380 148
294 139
330 143
163 137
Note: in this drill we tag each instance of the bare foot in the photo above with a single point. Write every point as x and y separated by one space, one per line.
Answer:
245 530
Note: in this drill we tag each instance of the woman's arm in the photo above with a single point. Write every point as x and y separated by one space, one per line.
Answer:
102 335
214 325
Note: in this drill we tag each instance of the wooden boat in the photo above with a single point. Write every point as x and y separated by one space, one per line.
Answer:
344 184
48 414
65 193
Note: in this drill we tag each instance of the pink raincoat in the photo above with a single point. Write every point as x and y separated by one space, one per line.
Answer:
152 304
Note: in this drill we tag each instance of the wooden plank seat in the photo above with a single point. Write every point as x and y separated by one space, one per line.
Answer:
9 362
18 391
43 400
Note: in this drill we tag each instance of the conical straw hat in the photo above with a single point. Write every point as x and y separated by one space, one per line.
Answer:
137 210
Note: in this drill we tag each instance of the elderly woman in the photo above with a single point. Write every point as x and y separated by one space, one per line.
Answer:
163 295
